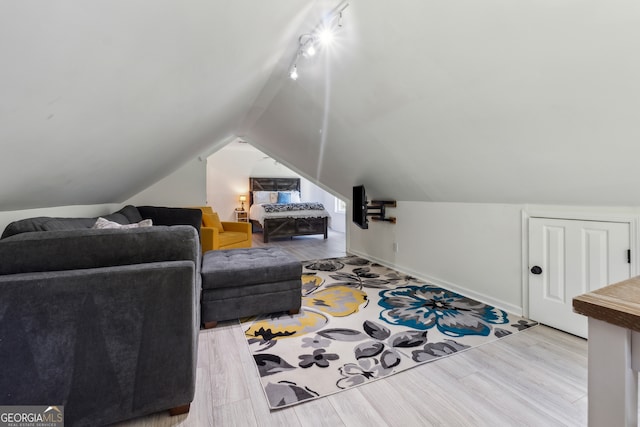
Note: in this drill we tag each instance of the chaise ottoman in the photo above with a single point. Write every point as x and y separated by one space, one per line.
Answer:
246 282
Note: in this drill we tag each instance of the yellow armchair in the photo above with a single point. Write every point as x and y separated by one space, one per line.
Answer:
216 234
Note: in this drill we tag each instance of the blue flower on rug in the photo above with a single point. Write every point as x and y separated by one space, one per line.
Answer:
423 307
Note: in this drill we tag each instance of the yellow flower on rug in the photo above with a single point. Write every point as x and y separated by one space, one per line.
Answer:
285 325
336 301
310 282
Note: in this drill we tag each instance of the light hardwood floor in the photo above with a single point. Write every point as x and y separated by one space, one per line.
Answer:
534 378
308 247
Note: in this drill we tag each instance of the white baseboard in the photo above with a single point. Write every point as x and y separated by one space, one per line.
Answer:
503 305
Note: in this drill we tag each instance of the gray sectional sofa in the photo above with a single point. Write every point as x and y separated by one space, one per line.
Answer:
102 321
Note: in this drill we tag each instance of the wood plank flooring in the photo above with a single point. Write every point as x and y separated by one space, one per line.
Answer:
534 378
308 247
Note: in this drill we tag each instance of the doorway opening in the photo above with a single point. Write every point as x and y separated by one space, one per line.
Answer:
228 173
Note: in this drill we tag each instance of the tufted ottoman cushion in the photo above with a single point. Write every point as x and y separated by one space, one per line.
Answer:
246 282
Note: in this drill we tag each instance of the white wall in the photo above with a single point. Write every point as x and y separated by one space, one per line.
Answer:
338 221
184 187
312 193
472 248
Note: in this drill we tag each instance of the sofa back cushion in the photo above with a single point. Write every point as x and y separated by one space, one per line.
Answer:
131 213
172 216
46 224
55 224
25 226
206 209
212 220
127 215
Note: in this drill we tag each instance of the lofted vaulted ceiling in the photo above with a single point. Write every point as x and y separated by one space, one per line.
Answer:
470 101
99 99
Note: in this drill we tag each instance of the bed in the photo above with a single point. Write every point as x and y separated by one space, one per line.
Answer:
286 217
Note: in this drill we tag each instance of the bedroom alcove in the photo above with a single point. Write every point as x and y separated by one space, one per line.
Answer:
228 173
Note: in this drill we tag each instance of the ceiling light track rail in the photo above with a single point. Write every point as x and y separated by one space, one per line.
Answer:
322 35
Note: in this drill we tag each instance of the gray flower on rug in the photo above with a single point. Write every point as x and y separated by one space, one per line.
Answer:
360 278
384 346
500 333
354 260
365 370
315 342
325 265
524 324
388 344
423 307
438 349
285 393
395 278
319 358
269 364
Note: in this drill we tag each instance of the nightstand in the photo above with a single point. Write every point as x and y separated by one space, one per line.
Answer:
242 216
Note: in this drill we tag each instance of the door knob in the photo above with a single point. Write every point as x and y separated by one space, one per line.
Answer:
536 270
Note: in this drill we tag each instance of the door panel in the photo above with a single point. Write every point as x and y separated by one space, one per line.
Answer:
596 259
554 280
575 257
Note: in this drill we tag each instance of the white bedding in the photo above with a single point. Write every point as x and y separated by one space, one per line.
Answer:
257 213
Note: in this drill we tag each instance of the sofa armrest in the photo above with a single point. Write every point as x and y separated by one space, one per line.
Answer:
125 337
209 238
89 248
244 227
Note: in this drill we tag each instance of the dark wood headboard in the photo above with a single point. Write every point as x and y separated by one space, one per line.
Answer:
272 184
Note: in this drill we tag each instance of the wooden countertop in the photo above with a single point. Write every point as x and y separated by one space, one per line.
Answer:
618 304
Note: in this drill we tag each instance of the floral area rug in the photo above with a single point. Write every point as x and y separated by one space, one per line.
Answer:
359 322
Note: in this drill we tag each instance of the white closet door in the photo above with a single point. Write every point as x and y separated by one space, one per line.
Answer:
568 258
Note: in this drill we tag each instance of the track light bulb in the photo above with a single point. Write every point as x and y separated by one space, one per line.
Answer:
294 73
311 50
326 36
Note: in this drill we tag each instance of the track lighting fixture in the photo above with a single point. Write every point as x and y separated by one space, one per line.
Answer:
322 35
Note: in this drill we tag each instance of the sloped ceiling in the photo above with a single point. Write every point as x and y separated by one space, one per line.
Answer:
470 101
467 100
99 99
